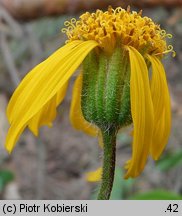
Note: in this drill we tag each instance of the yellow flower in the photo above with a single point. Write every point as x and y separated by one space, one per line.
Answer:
143 43
94 176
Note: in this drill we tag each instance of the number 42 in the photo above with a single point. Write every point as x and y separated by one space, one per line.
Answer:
172 208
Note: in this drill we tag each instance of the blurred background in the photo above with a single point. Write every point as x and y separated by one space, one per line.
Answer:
53 166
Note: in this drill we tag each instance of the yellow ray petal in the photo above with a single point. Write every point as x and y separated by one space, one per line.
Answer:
142 113
94 176
76 117
53 74
33 75
44 117
162 110
48 113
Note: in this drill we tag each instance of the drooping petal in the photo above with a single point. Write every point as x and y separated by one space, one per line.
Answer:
76 117
162 110
44 117
29 80
94 176
48 113
142 113
45 82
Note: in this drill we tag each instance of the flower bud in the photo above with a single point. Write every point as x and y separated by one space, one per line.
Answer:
105 99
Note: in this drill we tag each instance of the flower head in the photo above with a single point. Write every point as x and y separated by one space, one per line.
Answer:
117 48
119 26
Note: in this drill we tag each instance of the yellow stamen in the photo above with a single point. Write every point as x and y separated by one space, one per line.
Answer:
126 26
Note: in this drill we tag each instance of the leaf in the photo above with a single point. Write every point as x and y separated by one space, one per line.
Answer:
158 194
170 160
120 186
124 138
117 190
6 176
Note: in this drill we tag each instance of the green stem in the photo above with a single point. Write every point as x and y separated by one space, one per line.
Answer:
109 140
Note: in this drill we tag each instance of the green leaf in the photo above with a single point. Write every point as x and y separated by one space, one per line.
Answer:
120 186
117 190
124 138
170 160
158 194
6 176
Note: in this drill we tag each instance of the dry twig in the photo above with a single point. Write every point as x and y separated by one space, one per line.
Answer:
8 58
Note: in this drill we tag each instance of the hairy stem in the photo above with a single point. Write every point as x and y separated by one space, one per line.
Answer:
109 140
